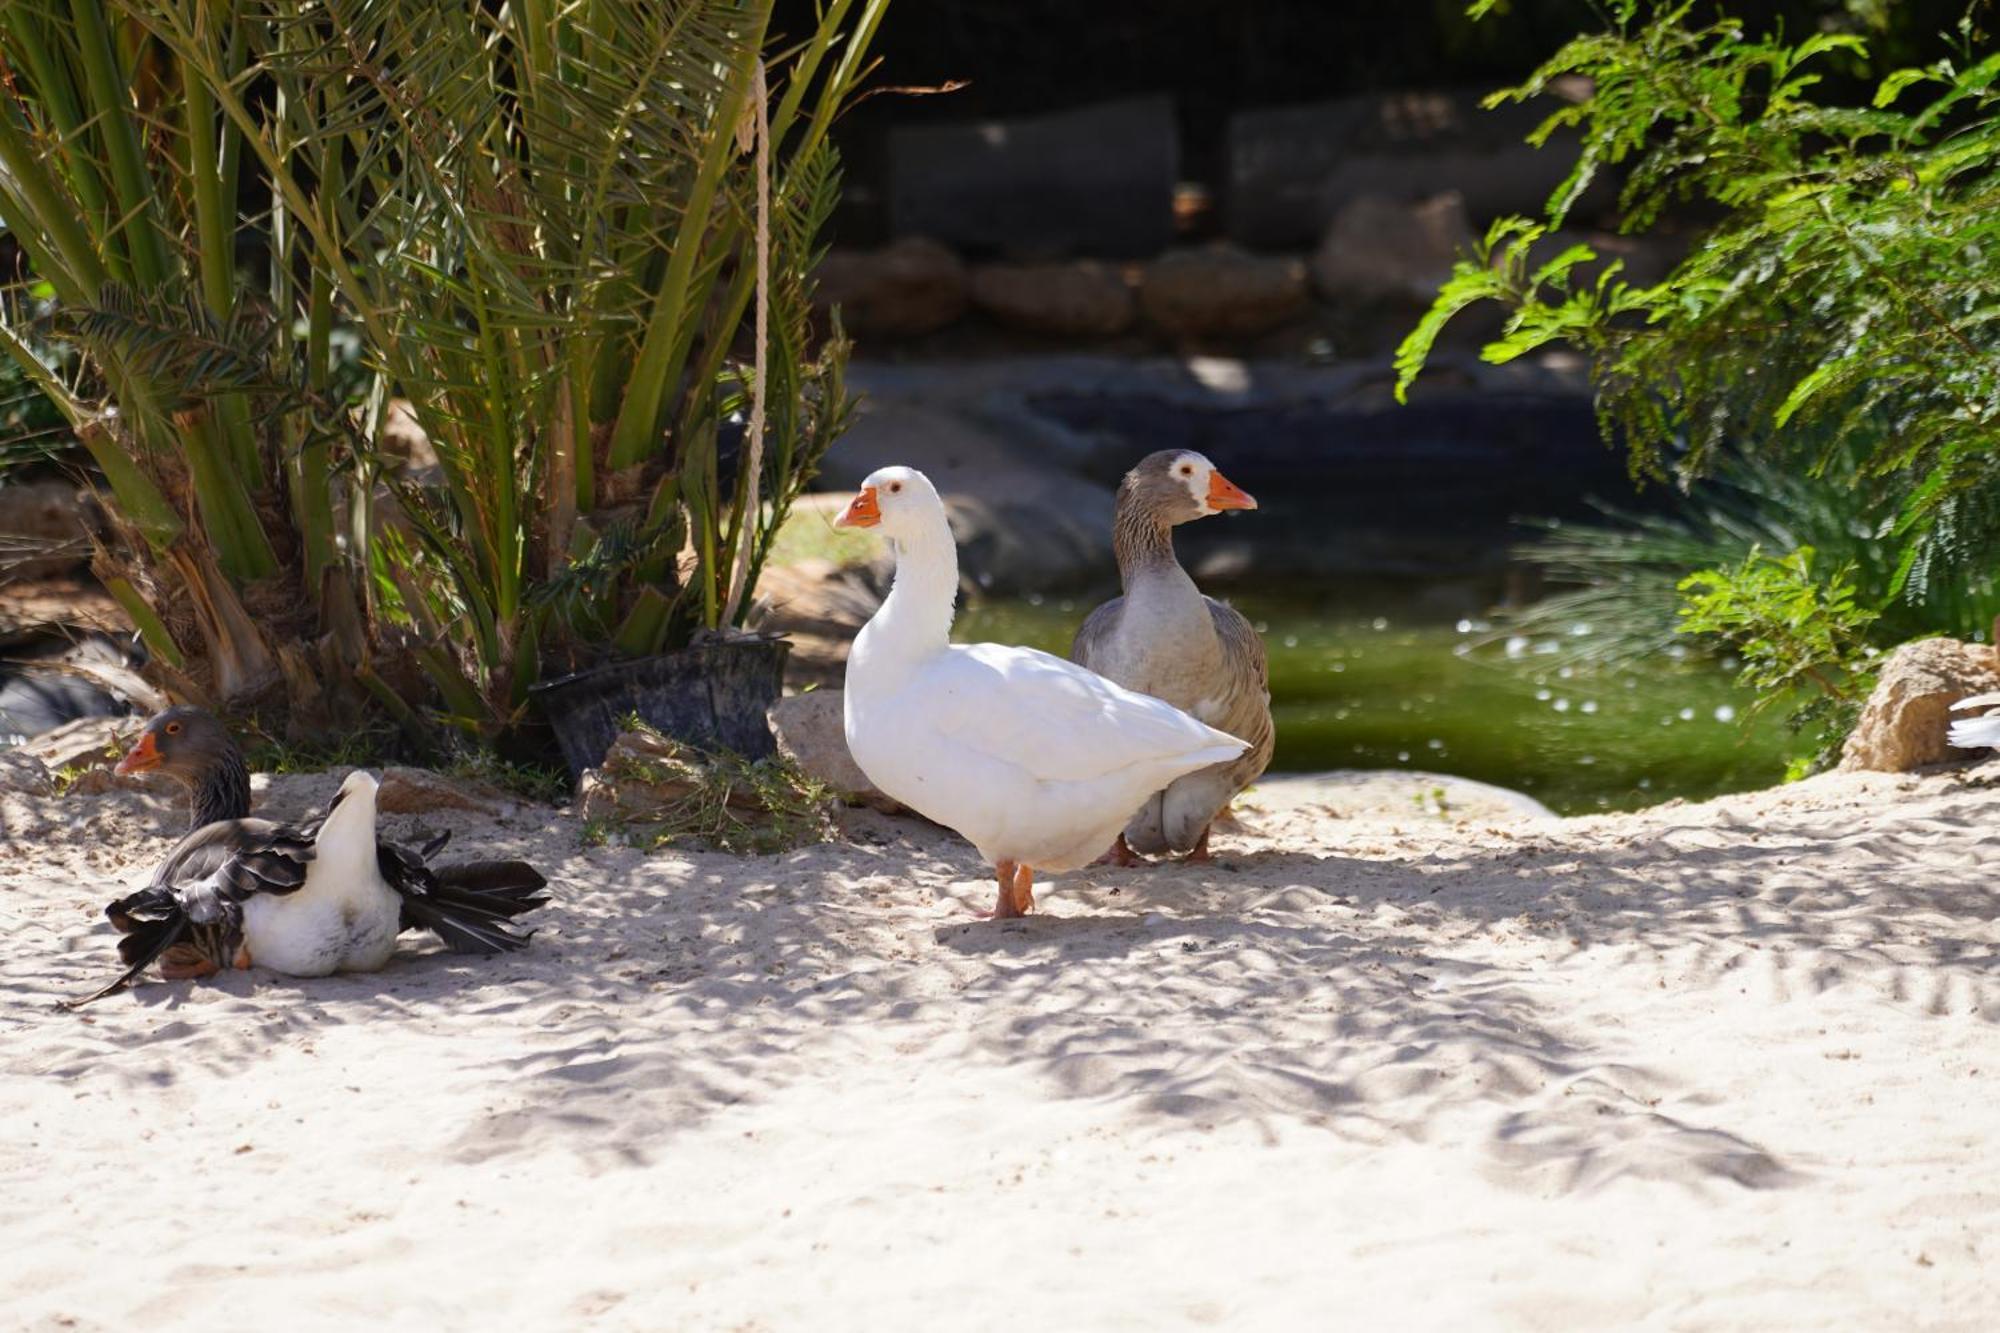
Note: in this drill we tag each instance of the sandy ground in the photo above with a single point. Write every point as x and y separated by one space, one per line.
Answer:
1720 1066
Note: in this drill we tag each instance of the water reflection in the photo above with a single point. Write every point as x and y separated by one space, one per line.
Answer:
1355 687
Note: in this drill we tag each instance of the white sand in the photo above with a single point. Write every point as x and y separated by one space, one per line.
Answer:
1726 1066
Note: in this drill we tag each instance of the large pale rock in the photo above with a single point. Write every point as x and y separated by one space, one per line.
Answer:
1904 722
912 287
1386 249
811 732
1023 523
1222 292
1084 299
1093 180
418 791
819 607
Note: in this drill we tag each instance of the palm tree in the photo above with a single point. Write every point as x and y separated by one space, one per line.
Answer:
544 221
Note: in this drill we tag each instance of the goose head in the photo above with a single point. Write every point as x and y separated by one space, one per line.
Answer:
183 743
1177 486
899 502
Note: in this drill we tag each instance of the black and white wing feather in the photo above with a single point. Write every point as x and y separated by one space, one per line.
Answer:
195 899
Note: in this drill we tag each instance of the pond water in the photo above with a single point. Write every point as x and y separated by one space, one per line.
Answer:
1355 684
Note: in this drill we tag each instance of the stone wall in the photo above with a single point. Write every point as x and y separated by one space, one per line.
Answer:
1330 227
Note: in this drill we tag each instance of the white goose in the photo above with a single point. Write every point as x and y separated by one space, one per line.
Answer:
1037 761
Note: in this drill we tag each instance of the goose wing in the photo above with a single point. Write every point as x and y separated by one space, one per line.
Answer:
1055 719
470 905
1245 687
243 857
195 900
1096 631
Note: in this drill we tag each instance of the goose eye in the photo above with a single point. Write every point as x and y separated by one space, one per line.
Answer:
895 488
173 728
1187 470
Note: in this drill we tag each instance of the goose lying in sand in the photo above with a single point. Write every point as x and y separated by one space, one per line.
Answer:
1165 639
306 900
1037 761
467 903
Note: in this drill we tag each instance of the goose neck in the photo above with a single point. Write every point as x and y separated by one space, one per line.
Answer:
917 616
349 828
1144 547
221 791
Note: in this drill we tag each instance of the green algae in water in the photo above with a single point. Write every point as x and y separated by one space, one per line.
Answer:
1361 689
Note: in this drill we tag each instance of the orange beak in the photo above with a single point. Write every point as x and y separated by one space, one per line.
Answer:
142 757
862 511
1226 494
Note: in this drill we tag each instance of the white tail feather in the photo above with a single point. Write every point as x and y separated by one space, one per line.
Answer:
1972 733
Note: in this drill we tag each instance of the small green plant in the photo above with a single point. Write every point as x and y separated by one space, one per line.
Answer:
543 784
661 793
1794 629
369 746
1801 635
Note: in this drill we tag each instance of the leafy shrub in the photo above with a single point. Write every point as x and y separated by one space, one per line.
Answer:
1830 344
1845 294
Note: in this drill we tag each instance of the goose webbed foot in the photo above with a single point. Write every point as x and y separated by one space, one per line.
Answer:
1121 854
1200 855
1017 895
185 962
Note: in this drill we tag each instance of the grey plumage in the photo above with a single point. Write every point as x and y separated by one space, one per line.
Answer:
1163 637
195 899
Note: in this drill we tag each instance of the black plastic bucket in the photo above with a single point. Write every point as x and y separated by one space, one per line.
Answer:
713 696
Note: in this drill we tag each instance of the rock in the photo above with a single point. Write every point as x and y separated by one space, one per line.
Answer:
1097 180
912 287
1084 299
811 732
418 791
1291 169
1902 726
819 606
87 743
1222 292
664 791
46 529
1023 523
35 702
1379 248
25 774
642 774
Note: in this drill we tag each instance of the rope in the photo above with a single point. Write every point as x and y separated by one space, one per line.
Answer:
747 528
